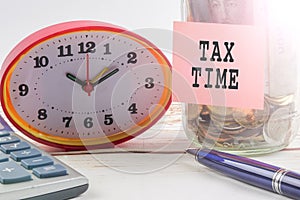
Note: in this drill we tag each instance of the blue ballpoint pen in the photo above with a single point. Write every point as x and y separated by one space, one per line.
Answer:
259 174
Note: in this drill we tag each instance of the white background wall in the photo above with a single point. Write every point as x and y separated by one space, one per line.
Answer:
19 18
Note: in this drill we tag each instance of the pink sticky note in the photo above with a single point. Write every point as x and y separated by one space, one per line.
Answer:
219 64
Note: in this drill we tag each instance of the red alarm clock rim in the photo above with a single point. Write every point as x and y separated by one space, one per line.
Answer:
63 28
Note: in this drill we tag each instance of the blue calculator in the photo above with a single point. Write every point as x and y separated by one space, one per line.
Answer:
27 172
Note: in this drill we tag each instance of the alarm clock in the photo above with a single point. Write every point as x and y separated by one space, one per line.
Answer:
85 84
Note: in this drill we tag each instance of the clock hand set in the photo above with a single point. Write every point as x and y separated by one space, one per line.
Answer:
95 81
88 86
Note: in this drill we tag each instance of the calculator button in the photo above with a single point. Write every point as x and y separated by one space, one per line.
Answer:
50 171
10 172
4 130
3 158
4 133
25 154
36 162
9 139
8 148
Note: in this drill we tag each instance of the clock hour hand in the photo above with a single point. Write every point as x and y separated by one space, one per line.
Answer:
106 76
75 79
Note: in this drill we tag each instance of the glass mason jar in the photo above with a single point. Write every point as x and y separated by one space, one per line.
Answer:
242 130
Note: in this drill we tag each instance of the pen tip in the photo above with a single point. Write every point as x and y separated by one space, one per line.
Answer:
192 151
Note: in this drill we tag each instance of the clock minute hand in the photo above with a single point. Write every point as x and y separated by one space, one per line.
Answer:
108 75
96 78
75 79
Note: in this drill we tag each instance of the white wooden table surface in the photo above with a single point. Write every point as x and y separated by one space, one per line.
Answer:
154 166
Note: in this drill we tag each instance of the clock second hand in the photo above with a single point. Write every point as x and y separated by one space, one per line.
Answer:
88 87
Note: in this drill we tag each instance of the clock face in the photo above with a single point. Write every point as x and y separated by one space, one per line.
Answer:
85 84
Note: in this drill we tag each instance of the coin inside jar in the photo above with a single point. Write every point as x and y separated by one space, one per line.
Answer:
251 118
193 111
280 101
204 115
220 111
211 132
278 127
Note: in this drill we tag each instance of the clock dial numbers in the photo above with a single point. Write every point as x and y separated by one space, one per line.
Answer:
88 47
83 48
133 109
149 83
67 121
23 90
42 114
85 71
107 49
132 58
40 62
65 51
108 119
88 122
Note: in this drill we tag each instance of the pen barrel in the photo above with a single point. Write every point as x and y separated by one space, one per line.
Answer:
290 185
253 172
